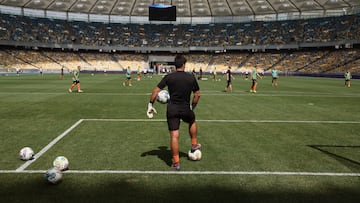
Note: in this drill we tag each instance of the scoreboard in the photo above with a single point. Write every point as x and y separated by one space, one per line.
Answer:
162 12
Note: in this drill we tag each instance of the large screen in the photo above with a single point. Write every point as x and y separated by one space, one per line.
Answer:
162 12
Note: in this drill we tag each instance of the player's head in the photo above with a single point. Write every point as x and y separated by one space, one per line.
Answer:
180 61
78 67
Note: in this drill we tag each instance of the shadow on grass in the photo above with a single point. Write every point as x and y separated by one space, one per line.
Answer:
352 164
163 153
159 188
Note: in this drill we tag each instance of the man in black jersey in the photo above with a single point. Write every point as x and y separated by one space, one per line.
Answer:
228 80
180 86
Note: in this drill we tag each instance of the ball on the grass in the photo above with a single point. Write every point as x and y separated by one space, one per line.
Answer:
26 153
195 155
53 176
61 163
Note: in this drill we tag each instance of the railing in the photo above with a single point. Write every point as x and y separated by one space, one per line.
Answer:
146 49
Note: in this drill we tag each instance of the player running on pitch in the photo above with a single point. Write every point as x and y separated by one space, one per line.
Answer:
347 76
76 80
254 75
274 76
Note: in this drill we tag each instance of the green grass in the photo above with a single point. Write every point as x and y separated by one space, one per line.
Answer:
303 125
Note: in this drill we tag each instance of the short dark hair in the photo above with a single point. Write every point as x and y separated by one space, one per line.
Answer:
180 60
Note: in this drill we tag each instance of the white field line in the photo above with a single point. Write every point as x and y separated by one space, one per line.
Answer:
228 121
189 172
206 93
47 147
22 168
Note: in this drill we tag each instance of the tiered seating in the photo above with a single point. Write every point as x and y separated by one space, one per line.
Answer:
324 61
26 29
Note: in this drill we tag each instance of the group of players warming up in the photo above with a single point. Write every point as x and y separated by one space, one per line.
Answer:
181 85
254 75
228 74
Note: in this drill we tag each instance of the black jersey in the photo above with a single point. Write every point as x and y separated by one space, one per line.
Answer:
228 75
180 85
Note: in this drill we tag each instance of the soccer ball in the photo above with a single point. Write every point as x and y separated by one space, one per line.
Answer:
163 97
61 163
26 153
53 175
194 155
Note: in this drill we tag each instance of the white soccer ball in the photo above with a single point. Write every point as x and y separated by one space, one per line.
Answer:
194 155
26 153
53 175
163 97
61 163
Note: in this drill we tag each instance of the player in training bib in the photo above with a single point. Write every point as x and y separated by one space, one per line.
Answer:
254 75
76 81
347 78
274 76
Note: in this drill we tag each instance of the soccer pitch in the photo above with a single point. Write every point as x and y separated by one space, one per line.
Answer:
292 143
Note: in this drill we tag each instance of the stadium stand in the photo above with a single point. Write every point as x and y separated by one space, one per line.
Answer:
316 61
308 45
40 30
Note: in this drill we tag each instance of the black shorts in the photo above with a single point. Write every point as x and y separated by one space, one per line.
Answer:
228 83
176 112
76 82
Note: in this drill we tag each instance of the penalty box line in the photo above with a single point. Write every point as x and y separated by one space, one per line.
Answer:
227 121
58 138
263 173
48 146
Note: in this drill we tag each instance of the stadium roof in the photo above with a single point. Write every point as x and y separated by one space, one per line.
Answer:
187 8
